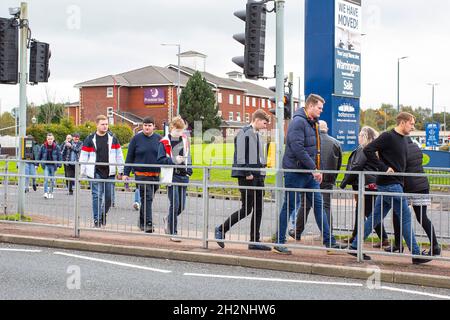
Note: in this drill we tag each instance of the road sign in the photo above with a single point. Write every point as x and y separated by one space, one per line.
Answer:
432 134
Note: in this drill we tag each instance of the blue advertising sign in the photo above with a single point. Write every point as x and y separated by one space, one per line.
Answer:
432 134
347 53
346 122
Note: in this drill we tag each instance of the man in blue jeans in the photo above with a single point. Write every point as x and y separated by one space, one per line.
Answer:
303 152
389 152
101 147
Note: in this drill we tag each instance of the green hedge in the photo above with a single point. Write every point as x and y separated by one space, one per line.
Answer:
61 130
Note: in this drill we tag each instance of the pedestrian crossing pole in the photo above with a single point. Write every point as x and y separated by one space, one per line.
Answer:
22 103
279 100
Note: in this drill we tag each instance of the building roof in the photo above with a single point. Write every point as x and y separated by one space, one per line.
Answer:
159 76
191 53
147 76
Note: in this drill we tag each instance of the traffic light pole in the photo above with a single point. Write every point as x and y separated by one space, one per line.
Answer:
22 102
279 100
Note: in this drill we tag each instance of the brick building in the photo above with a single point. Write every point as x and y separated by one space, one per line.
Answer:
152 91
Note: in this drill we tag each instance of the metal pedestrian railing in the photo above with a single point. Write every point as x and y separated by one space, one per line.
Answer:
210 204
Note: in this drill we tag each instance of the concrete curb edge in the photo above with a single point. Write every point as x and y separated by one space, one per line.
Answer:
201 257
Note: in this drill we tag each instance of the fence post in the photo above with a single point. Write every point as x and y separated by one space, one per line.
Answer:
6 182
77 201
205 207
360 217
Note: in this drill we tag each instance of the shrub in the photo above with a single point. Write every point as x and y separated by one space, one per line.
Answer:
122 132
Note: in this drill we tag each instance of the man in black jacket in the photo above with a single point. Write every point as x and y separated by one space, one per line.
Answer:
391 147
143 149
417 185
331 157
248 153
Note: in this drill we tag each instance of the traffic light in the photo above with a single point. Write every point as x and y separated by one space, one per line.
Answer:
9 51
253 39
287 107
39 60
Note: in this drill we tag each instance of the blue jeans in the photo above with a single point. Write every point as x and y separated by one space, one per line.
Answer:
177 199
382 206
292 201
101 198
49 172
30 172
137 196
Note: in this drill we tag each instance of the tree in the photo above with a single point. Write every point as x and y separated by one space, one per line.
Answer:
6 121
198 103
50 113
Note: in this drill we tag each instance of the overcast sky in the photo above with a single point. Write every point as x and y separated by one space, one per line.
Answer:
90 39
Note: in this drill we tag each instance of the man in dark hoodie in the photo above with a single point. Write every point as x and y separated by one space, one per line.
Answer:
303 152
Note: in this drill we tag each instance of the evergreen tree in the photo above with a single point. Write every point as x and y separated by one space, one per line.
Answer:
198 103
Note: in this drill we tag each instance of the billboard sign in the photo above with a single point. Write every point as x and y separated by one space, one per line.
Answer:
432 134
347 53
154 96
346 122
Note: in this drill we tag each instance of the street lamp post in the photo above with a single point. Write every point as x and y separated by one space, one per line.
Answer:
398 82
433 85
179 73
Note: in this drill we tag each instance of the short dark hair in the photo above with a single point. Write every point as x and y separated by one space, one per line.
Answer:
148 120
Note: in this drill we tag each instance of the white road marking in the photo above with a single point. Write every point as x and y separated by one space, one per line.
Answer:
20 250
416 292
274 280
112 262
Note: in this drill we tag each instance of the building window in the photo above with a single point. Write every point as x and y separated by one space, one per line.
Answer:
263 103
219 113
247 117
238 100
238 116
219 97
254 102
230 116
110 92
231 99
247 101
269 104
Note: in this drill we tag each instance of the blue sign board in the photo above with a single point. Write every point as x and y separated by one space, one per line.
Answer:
432 134
333 64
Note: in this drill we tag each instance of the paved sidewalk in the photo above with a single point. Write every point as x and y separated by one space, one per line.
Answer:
396 268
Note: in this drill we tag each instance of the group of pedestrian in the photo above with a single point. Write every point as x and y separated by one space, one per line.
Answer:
102 159
47 156
309 147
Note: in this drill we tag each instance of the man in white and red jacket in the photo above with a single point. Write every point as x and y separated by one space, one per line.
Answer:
101 147
174 149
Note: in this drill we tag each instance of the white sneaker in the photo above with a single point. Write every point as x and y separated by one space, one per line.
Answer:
46 195
50 195
137 206
175 239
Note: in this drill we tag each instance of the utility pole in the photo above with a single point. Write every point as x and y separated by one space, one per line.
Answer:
279 5
23 102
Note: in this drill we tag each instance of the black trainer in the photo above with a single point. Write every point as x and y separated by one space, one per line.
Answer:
419 260
259 247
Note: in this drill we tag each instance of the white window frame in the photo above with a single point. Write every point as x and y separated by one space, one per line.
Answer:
247 101
219 113
231 99
238 100
247 117
238 116
254 102
219 97
230 116
263 103
110 92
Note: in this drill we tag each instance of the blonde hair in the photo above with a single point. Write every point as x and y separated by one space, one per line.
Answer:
177 123
368 134
100 118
